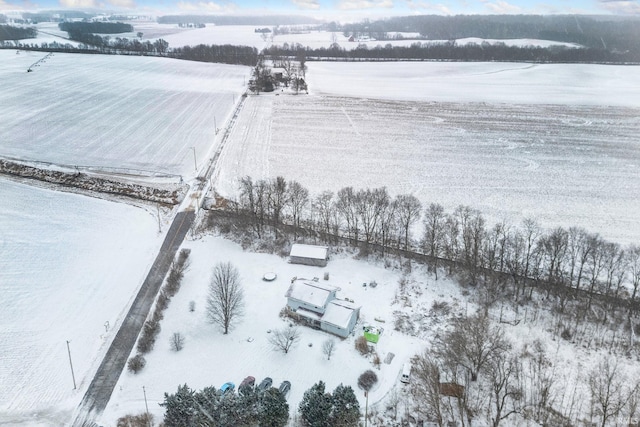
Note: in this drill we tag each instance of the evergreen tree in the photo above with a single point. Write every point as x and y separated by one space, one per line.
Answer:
249 403
179 407
274 411
315 407
207 407
230 410
346 409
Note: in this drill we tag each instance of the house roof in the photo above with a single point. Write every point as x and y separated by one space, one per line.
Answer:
339 313
309 251
310 292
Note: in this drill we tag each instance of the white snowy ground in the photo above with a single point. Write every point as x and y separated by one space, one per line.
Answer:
210 358
553 142
139 113
70 264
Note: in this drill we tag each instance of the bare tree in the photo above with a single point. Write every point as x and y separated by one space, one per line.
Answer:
328 347
325 211
298 198
471 343
426 387
225 302
284 339
434 222
606 387
408 209
503 374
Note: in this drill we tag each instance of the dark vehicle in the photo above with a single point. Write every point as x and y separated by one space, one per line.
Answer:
284 388
227 388
246 384
264 385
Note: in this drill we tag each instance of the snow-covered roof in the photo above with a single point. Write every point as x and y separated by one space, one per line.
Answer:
309 251
313 293
339 313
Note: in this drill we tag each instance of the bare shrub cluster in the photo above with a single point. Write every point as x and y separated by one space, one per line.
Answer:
151 327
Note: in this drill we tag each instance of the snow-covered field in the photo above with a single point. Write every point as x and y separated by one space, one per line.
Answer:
210 358
556 143
141 113
71 266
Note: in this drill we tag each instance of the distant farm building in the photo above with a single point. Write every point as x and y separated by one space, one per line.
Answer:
309 255
315 305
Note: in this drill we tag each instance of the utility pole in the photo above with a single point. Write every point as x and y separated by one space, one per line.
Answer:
215 126
146 405
71 364
366 407
195 162
158 210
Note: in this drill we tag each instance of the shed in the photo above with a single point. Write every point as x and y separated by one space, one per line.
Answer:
309 255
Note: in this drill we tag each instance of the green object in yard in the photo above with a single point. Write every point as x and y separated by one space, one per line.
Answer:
372 333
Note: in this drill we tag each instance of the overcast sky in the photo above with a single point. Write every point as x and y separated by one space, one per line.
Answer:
338 8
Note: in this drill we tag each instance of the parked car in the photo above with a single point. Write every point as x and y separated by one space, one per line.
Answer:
284 388
227 388
264 385
246 384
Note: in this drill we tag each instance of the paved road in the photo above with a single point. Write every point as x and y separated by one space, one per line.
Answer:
99 392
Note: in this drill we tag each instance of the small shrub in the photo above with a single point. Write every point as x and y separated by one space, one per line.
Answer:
177 341
192 306
376 360
163 301
566 334
367 380
140 420
362 345
136 363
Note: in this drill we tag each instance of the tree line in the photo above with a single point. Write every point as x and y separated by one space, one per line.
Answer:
9 32
566 264
451 51
269 408
81 27
613 33
96 44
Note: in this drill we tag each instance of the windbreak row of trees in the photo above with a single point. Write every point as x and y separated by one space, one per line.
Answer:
451 51
227 54
510 259
9 32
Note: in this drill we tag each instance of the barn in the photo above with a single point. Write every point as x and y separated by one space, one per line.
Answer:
309 255
316 305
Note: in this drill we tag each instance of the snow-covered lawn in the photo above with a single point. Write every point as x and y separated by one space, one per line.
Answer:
512 140
210 358
70 264
142 113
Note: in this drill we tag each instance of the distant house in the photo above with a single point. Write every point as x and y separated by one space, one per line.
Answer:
309 255
315 304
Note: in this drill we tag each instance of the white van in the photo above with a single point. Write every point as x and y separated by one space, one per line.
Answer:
406 373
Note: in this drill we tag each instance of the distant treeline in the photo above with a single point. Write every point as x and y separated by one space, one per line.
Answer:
237 20
8 32
226 54
450 51
55 15
605 32
95 28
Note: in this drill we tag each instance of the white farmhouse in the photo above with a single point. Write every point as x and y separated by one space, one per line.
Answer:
316 305
309 255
